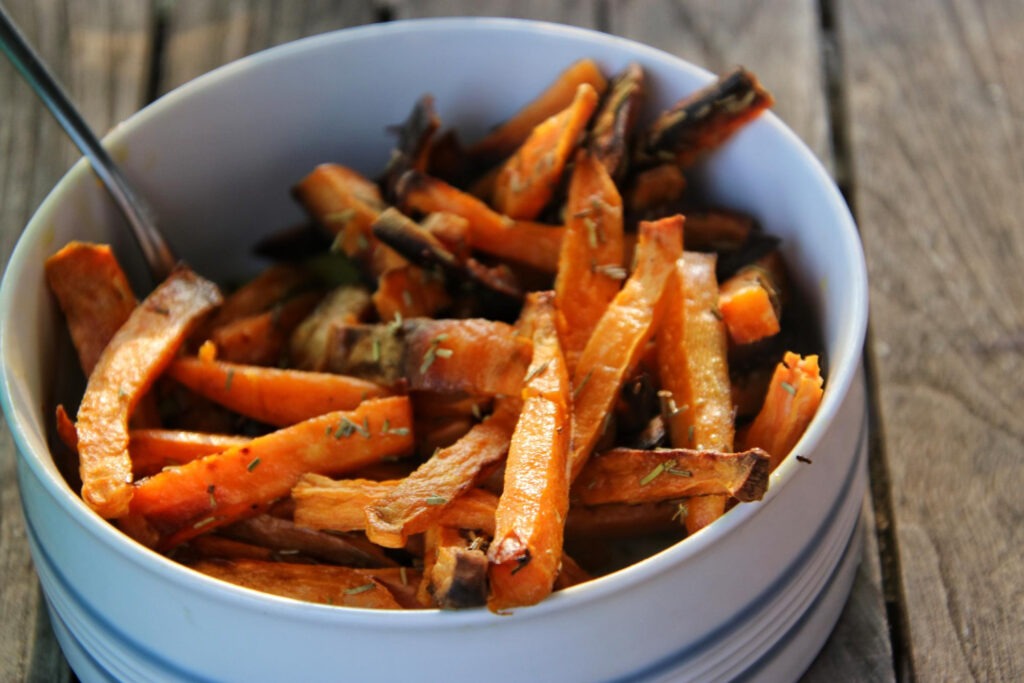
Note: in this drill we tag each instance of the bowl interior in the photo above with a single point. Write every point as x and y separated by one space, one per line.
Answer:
217 157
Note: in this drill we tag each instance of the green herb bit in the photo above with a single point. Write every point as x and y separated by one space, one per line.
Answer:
253 464
229 380
399 431
435 500
653 474
364 429
386 427
690 433
681 512
444 353
345 429
362 243
376 350
428 359
788 388
356 590
540 369
213 499
671 468
577 389
407 298
716 313
206 521
341 217
593 240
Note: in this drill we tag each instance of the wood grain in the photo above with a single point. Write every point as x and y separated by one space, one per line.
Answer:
99 50
201 36
936 105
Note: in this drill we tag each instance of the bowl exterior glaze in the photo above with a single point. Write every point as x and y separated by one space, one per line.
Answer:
754 595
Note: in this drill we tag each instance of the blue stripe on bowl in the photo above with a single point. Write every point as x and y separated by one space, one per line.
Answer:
795 631
766 598
120 641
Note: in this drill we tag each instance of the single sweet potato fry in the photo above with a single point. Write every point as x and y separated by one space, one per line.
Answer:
223 488
590 264
528 179
625 475
612 133
345 204
409 292
526 552
693 371
276 396
793 397
620 338
420 499
153 449
706 118
525 242
344 305
321 583
94 295
272 286
511 134
454 570
128 366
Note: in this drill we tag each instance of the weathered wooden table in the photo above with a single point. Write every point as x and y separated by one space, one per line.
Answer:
918 111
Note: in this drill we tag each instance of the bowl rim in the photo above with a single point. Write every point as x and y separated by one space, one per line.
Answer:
843 364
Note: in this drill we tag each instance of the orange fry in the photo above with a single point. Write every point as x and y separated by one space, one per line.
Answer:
793 397
511 134
590 264
618 341
133 359
421 498
527 181
276 396
218 489
532 244
94 295
526 552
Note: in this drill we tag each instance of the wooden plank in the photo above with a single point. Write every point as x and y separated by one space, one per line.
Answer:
936 106
99 49
201 36
584 13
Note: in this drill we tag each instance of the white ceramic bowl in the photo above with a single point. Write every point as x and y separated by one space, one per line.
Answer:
753 596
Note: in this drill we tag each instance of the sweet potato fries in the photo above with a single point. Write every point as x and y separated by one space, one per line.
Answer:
515 364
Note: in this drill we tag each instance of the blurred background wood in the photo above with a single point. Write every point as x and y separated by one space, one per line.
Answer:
915 110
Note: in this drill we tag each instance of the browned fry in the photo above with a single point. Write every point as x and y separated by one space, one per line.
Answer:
621 520
717 230
128 366
611 134
414 138
471 355
214 547
285 537
655 187
705 119
94 295
454 572
345 305
509 135
324 584
420 499
624 475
